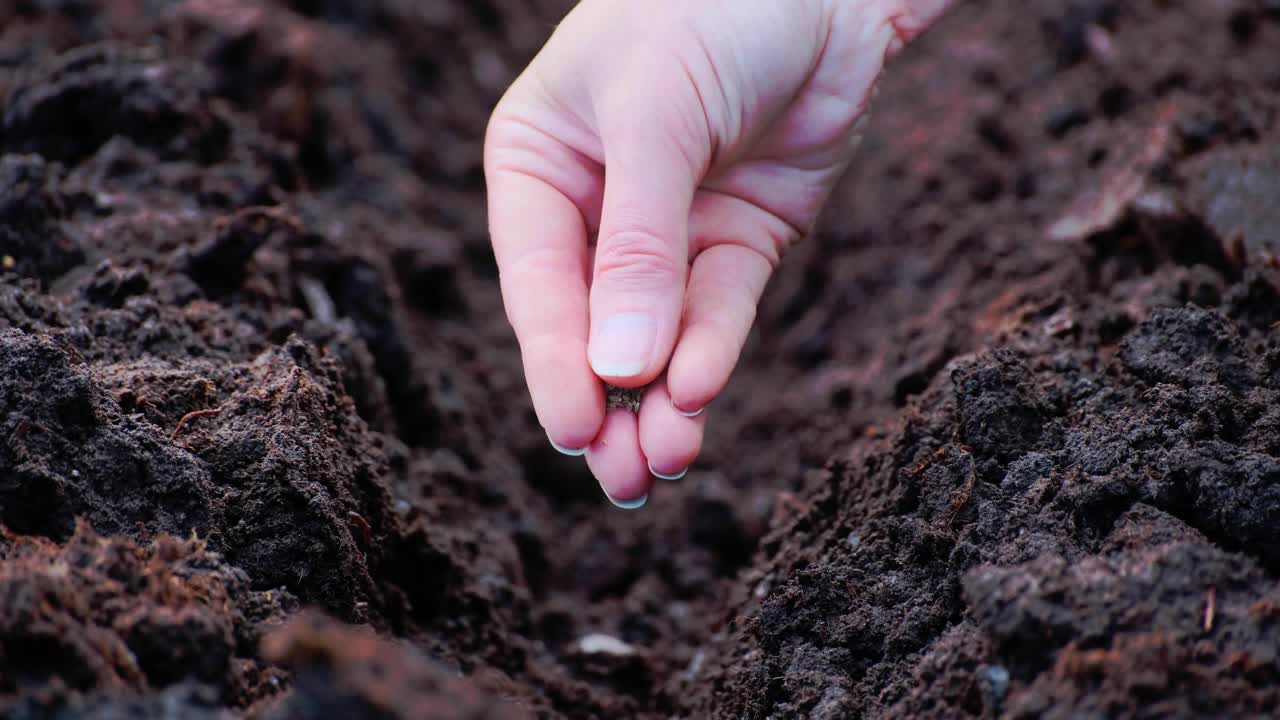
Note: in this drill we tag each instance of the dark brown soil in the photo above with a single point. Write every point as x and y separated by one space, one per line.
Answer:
1006 441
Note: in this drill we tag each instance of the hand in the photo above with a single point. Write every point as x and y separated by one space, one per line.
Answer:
697 140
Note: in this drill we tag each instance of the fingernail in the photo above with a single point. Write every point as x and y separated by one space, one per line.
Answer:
629 504
566 451
622 344
676 476
695 413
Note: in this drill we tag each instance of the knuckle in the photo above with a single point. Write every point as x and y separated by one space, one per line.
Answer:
782 239
502 121
907 19
636 259
778 236
507 143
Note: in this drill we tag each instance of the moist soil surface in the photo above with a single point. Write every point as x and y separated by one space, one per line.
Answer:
1005 442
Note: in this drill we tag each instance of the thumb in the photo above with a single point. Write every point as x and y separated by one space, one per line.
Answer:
654 160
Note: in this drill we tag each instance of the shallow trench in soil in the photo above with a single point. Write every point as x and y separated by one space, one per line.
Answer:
1005 441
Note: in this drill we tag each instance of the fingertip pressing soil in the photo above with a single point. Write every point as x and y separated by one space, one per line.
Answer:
1003 443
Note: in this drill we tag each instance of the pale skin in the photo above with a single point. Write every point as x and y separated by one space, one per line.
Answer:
646 174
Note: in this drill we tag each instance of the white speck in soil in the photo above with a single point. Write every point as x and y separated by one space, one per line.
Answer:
599 643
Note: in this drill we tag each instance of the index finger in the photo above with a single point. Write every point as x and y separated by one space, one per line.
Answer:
540 242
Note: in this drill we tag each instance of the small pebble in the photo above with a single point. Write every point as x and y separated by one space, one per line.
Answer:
599 643
997 679
695 665
762 589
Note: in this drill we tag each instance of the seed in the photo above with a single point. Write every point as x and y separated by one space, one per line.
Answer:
629 398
